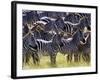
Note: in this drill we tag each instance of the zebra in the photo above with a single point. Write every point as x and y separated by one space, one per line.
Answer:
27 47
70 27
85 48
59 24
50 47
30 16
33 46
70 47
72 17
40 32
30 50
84 18
51 23
51 14
75 17
87 17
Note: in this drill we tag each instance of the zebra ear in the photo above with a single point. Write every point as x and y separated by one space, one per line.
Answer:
86 37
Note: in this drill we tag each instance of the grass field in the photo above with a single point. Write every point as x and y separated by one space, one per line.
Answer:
60 63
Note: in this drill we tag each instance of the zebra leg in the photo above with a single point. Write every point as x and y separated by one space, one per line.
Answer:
27 57
84 57
53 59
77 57
73 57
87 57
23 57
69 58
66 57
35 58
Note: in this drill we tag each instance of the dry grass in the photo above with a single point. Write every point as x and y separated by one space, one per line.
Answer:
61 63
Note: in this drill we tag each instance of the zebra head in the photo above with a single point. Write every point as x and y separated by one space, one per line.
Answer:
32 43
78 37
57 39
87 36
84 22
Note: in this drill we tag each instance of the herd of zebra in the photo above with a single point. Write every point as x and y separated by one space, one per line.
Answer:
47 33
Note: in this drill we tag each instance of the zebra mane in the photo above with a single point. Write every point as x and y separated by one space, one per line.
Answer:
75 24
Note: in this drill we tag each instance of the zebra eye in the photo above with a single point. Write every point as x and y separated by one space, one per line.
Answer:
61 44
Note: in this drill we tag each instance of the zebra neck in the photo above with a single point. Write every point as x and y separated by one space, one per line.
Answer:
44 41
